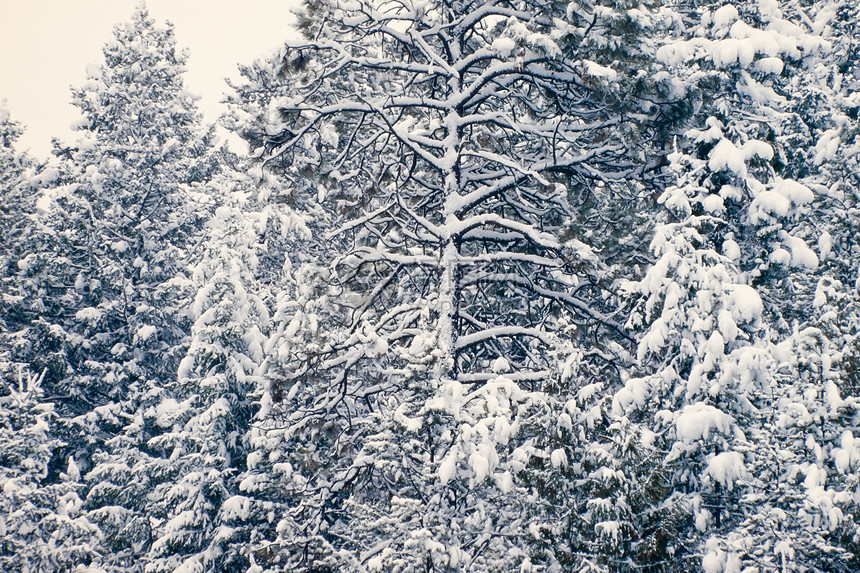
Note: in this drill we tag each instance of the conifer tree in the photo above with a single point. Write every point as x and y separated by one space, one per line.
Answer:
120 217
208 412
287 232
724 305
42 523
443 139
13 166
17 205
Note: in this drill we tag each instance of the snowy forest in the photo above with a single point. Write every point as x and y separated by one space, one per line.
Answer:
497 286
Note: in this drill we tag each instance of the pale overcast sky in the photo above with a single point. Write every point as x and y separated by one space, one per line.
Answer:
45 46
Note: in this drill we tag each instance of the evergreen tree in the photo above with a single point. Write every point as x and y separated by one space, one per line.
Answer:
42 525
290 275
444 139
120 224
208 412
16 209
727 323
13 178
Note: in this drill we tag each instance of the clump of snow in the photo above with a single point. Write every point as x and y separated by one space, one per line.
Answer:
73 472
610 529
504 46
714 559
46 177
782 200
769 9
767 205
145 332
675 53
254 341
727 156
588 391
329 135
480 461
732 51
744 303
731 249
828 145
169 410
815 477
712 133
825 244
724 16
797 193
544 43
728 326
634 394
726 468
732 192
448 467
713 204
377 563
770 65
697 421
599 71
758 92
702 516
89 314
501 365
779 256
801 254
504 481
848 454
516 30
237 507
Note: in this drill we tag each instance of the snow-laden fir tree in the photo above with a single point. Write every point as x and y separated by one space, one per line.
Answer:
207 413
444 139
16 208
819 416
13 178
831 168
287 231
42 523
744 431
119 218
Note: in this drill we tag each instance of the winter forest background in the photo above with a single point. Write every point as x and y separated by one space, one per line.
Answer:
501 286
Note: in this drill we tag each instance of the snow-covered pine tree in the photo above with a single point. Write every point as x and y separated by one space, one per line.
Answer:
719 397
118 220
601 500
207 414
16 207
15 204
445 138
818 410
280 253
830 167
42 525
